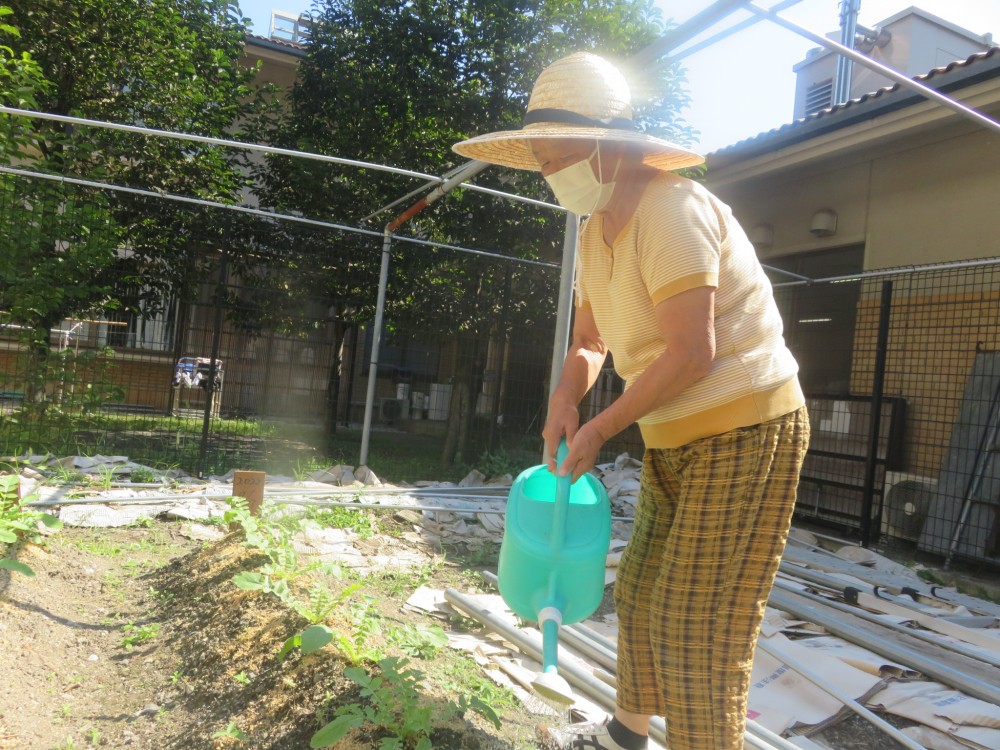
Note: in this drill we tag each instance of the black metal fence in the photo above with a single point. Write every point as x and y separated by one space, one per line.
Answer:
265 362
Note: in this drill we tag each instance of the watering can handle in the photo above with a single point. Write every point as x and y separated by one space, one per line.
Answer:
561 452
561 506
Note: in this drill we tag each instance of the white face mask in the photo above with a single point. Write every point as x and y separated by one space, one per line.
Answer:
577 188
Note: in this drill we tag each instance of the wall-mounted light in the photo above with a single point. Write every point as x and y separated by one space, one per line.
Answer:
824 223
761 235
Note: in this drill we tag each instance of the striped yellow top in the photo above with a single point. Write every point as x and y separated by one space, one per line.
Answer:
682 237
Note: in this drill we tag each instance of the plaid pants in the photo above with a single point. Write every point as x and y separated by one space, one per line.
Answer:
712 521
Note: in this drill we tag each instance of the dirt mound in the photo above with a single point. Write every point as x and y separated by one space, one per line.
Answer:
138 638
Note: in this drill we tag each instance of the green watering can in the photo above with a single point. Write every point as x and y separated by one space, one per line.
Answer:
552 558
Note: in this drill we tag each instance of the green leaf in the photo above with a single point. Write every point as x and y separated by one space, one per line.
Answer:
334 731
249 581
17 567
7 536
315 637
292 643
51 521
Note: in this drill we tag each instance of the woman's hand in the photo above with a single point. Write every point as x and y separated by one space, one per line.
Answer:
563 421
583 450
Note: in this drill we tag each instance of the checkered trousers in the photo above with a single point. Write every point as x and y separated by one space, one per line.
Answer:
712 521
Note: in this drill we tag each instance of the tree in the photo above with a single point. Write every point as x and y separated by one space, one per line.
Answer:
398 82
167 64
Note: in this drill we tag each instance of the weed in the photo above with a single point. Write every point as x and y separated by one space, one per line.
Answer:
420 641
93 736
17 521
176 677
363 523
137 634
65 711
141 475
233 732
241 678
395 703
69 744
458 674
103 476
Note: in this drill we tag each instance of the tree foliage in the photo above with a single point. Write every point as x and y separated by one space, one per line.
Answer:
397 82
166 64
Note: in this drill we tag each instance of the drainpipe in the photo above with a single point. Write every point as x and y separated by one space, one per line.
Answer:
473 167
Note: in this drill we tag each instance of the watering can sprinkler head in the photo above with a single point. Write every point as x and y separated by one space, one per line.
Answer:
554 690
549 685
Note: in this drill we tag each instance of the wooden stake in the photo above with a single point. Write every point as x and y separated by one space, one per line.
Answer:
250 484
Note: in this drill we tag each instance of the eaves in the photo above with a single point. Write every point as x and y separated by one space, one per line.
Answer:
886 113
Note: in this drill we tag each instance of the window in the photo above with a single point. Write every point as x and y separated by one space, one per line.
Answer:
151 329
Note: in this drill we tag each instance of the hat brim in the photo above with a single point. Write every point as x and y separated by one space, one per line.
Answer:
512 148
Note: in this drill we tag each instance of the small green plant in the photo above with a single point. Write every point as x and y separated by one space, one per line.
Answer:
103 476
395 703
420 641
93 736
137 634
499 463
353 646
241 678
361 522
141 475
17 521
176 677
233 732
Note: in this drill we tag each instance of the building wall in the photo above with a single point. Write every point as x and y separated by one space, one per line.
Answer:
931 201
936 203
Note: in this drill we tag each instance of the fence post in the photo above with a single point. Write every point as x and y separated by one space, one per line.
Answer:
878 383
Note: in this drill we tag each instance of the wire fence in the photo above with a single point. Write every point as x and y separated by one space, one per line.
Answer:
257 359
258 350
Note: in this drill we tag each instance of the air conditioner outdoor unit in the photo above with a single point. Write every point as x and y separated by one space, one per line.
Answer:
906 500
389 410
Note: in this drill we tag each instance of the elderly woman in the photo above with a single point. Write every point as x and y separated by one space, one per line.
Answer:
669 284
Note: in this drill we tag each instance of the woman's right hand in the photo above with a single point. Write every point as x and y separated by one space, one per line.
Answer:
563 421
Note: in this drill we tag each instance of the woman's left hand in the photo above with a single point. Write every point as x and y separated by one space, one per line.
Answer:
583 450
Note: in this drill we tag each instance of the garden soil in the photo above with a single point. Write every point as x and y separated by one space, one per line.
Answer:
136 638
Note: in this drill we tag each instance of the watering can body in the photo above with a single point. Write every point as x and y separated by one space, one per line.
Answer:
537 569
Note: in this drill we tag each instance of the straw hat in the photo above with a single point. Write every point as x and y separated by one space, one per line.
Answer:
580 96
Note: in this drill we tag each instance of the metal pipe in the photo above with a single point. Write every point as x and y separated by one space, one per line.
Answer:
265 214
885 70
744 24
848 29
836 625
690 28
564 306
958 648
383 282
755 736
841 696
471 168
256 147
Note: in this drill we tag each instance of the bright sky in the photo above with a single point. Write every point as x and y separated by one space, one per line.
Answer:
744 85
